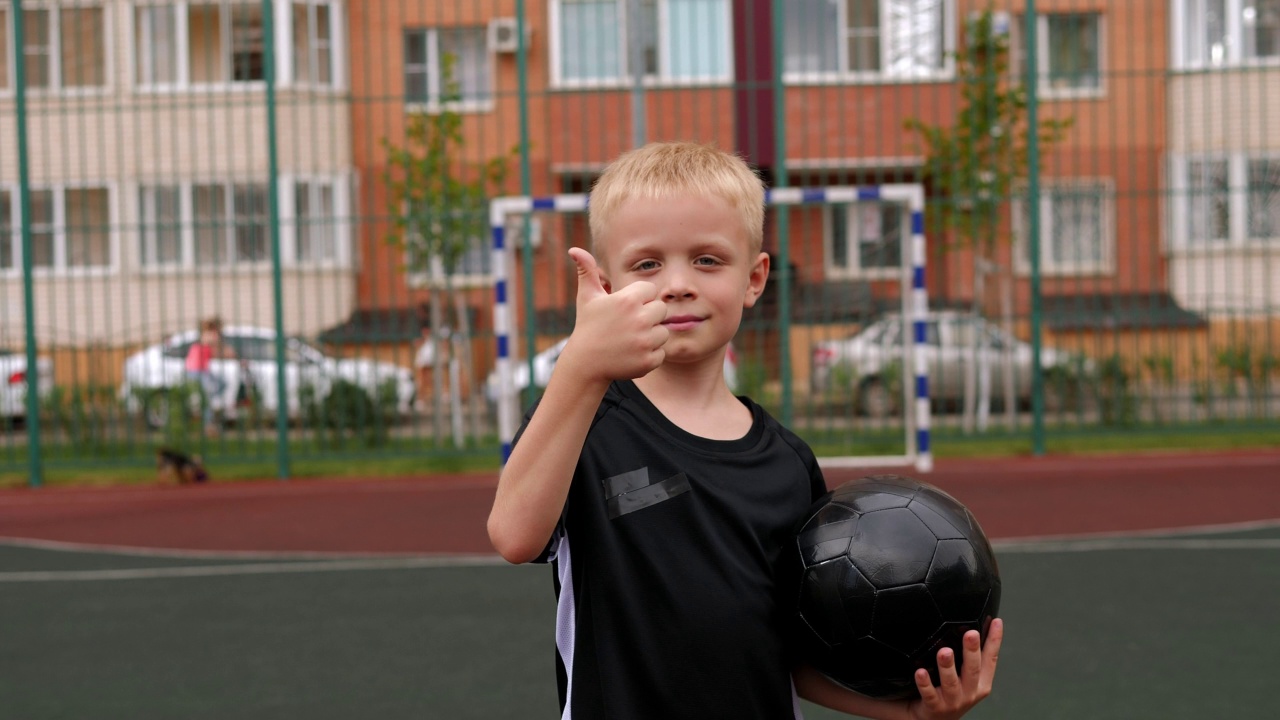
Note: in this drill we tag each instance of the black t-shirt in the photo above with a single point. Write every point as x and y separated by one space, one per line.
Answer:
665 561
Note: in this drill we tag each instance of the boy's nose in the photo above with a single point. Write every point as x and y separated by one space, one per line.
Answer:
677 286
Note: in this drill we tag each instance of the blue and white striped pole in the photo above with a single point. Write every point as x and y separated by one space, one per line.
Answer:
915 295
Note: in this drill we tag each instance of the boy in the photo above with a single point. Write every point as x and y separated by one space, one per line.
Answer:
663 500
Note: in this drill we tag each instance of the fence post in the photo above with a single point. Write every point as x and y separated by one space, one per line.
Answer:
1033 230
784 219
35 467
273 225
526 189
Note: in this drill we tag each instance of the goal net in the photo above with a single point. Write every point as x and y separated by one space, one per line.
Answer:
860 378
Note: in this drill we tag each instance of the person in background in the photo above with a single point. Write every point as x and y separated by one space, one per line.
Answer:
199 366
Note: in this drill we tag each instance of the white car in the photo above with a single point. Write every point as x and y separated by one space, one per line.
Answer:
149 373
13 393
870 361
545 361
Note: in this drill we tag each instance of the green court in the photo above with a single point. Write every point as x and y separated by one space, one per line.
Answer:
1142 626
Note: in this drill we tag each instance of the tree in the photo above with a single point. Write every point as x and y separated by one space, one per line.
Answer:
439 207
973 165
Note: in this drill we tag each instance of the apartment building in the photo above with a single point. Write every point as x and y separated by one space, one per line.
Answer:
1223 169
149 155
603 74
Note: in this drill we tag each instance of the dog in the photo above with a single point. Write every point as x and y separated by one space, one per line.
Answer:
172 465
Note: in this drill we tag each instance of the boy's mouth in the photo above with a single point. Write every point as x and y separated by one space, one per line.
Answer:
676 323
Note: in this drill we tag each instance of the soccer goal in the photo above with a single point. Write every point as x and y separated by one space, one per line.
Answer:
912 353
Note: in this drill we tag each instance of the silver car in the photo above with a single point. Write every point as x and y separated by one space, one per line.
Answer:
155 369
870 362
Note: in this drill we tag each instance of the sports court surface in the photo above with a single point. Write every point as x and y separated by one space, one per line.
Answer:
1134 587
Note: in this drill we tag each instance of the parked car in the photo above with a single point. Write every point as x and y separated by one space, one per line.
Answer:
13 393
545 361
870 362
151 372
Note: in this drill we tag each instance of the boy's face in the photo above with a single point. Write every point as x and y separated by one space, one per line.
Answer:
696 252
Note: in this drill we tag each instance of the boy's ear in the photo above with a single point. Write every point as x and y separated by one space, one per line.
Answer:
756 280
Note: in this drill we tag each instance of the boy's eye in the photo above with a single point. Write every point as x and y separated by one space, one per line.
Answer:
706 261
647 265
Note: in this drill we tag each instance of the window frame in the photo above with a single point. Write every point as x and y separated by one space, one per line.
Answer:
57 86
431 69
290 72
843 76
229 223
58 228
339 222
1106 263
1184 51
286 75
625 78
853 269
9 202
1238 197
6 35
1043 90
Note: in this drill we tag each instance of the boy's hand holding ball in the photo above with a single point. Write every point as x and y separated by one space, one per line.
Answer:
619 335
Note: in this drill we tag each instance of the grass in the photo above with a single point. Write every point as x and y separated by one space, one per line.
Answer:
238 459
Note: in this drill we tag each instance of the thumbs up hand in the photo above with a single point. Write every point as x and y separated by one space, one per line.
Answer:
617 336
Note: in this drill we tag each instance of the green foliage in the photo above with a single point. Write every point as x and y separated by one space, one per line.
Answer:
82 412
1159 367
973 164
348 412
183 424
439 205
1117 404
1065 383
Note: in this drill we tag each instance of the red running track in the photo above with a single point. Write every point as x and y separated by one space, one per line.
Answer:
1012 498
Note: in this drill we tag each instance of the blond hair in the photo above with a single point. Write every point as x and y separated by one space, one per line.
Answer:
664 170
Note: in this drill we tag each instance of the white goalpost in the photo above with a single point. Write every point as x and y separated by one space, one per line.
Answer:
915 303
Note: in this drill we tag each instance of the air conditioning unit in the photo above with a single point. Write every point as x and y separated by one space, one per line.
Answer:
504 35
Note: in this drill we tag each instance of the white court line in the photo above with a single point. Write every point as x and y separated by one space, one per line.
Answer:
137 551
1136 544
1154 539
38 576
1242 526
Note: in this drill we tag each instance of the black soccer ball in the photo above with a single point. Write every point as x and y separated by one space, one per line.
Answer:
886 571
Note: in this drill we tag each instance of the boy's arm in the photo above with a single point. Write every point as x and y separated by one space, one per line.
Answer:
616 336
955 696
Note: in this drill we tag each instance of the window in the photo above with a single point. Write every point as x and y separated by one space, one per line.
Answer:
160 215
1069 62
315 221
868 39
1208 202
7 230
4 49
205 42
864 239
70 228
223 224
1076 220
1263 201
1225 200
313 43
65 47
1216 33
474 266
679 41
435 56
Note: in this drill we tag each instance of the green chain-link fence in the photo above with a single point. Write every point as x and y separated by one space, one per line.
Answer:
315 173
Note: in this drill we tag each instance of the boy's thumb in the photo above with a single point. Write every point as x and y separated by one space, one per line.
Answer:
589 284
